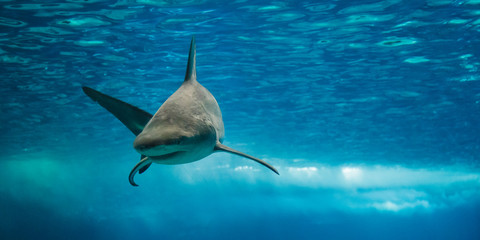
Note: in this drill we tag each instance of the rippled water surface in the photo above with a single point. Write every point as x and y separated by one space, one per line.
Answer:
368 109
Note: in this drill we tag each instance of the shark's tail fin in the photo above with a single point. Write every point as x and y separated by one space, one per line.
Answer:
191 70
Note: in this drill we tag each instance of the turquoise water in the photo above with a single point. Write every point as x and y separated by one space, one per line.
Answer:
368 109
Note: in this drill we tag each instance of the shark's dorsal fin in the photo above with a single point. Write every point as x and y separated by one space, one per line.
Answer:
132 117
221 147
191 69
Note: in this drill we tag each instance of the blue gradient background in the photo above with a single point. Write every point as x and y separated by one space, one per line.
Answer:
369 110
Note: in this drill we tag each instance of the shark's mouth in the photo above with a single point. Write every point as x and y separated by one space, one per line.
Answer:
165 156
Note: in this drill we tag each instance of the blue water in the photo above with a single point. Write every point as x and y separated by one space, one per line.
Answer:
368 109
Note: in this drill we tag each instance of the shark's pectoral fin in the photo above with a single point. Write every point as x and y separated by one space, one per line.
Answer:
143 164
144 168
221 147
132 117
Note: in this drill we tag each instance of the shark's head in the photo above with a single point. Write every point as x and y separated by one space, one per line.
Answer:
161 144
164 144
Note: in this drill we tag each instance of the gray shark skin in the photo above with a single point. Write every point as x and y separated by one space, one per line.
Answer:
186 128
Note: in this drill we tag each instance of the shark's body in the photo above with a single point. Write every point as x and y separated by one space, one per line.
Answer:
186 128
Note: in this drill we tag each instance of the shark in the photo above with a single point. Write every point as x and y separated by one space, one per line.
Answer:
187 127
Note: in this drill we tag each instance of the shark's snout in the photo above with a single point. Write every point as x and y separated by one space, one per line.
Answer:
154 145
142 144
142 148
145 144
